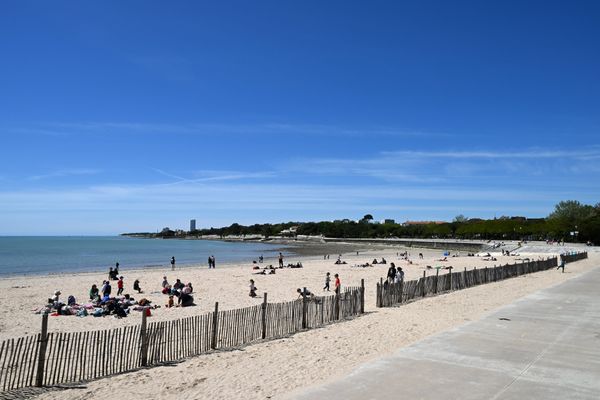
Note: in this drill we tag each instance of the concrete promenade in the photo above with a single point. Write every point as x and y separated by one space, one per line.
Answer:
544 346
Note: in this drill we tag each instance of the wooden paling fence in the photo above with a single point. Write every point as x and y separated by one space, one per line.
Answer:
50 359
391 294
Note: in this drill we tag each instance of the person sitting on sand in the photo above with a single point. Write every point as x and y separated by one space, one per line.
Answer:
94 293
272 272
170 302
136 286
375 261
187 289
184 300
252 288
164 282
383 261
305 293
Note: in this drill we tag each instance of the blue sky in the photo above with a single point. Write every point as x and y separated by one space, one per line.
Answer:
132 116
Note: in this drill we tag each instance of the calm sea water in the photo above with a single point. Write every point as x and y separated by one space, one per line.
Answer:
52 254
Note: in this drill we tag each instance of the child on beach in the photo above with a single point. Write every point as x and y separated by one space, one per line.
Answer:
327 280
338 284
120 286
252 288
170 302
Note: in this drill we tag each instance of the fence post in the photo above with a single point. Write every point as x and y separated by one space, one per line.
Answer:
362 296
304 311
213 343
485 276
264 317
437 275
450 273
381 292
337 306
39 377
401 289
423 284
144 339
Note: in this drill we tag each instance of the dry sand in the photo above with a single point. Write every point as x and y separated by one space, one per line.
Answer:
279 368
227 284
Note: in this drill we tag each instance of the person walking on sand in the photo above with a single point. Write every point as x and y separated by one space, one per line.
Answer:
120 286
327 280
338 284
280 260
173 263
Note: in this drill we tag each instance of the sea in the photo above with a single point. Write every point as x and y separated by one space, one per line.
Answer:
58 254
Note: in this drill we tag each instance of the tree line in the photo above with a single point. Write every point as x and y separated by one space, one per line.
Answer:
570 221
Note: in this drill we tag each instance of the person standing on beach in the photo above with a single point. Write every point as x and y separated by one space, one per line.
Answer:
212 261
391 273
173 263
327 280
120 286
209 262
280 260
338 284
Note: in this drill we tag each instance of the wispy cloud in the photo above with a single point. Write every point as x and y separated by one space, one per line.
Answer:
538 165
215 176
63 173
589 154
212 128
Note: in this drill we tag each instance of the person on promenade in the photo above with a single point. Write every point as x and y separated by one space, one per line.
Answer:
561 263
120 284
252 288
337 284
327 280
173 263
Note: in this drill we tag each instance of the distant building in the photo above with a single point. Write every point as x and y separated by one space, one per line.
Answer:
289 232
388 221
192 225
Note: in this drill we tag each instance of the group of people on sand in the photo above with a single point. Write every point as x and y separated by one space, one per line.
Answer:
395 275
101 301
182 291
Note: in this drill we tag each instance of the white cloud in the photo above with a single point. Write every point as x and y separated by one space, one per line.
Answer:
64 172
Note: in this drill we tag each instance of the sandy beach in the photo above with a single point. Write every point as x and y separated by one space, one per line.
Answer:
277 368
227 284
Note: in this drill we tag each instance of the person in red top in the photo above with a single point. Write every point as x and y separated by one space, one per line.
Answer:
120 286
337 284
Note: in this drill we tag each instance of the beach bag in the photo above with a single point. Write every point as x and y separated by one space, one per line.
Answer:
82 312
98 312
